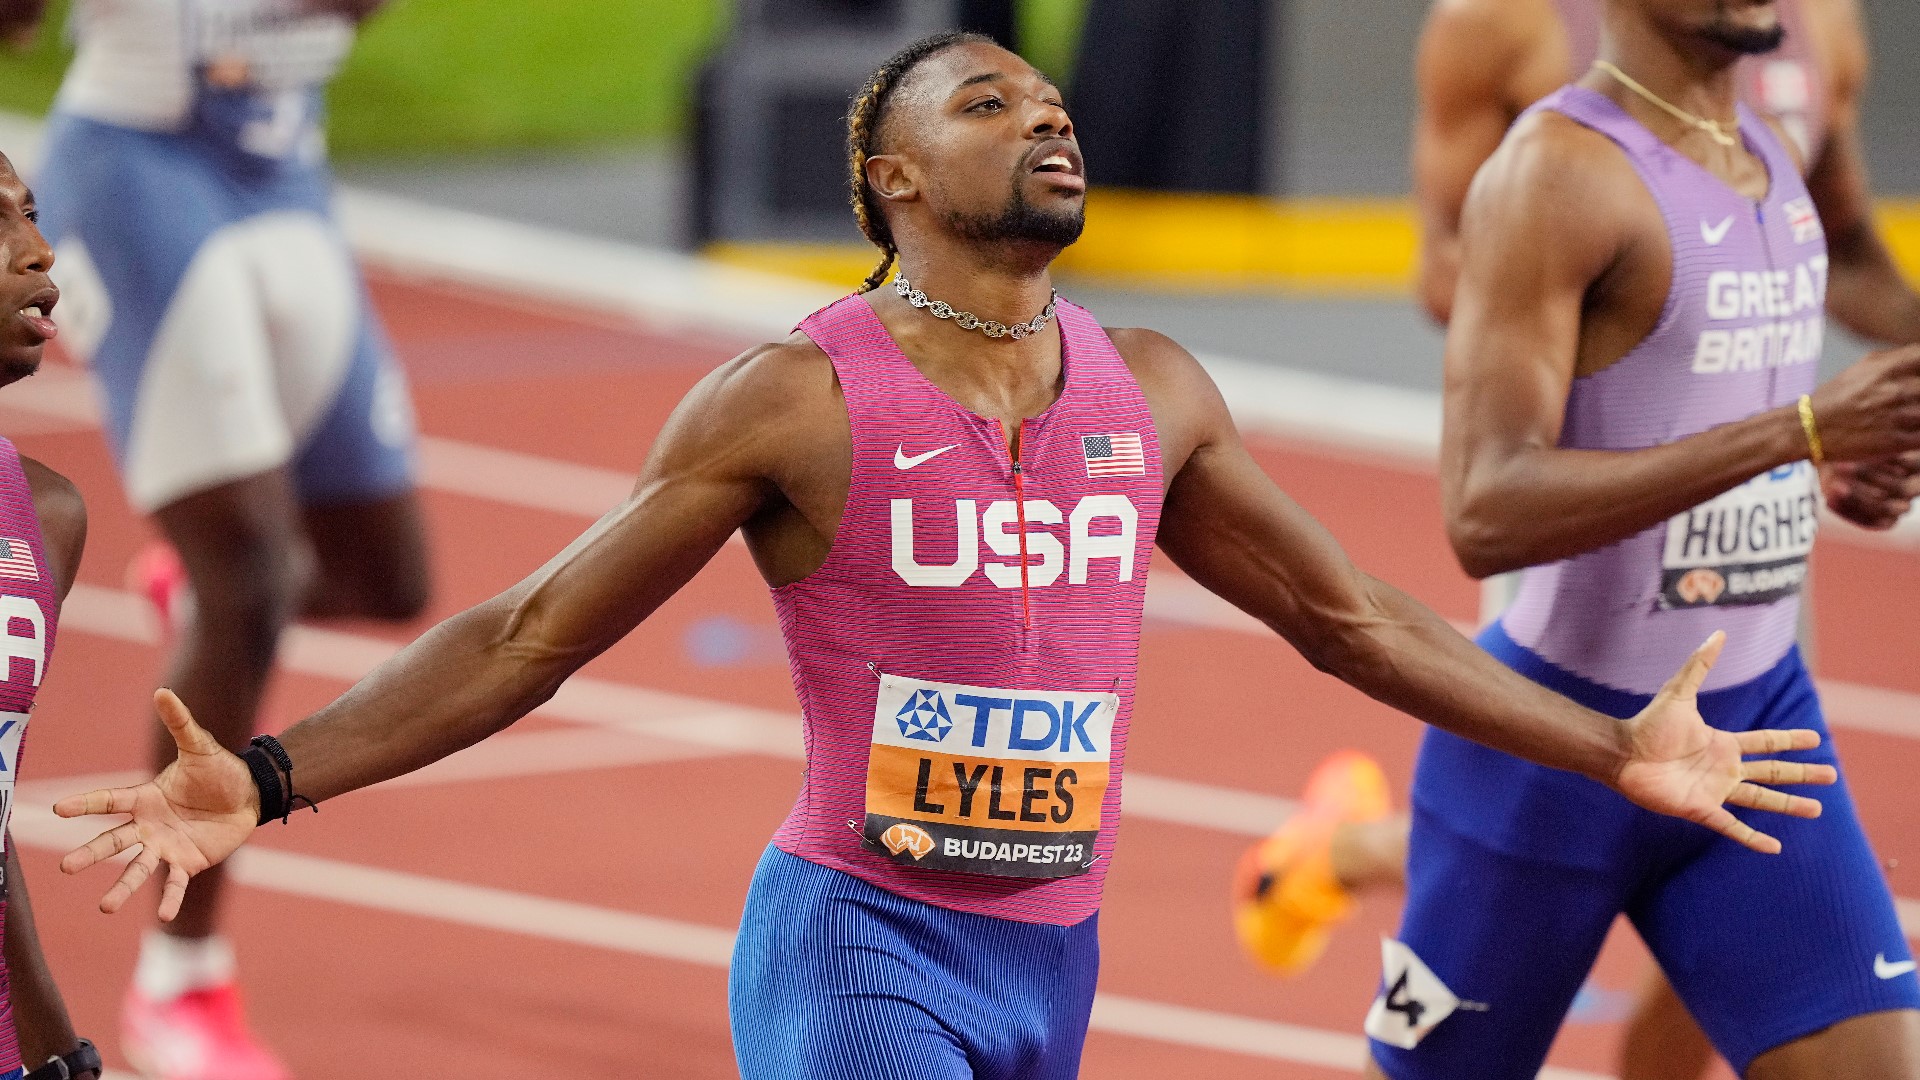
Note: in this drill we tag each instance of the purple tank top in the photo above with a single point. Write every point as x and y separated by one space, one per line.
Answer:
29 611
1740 334
1787 84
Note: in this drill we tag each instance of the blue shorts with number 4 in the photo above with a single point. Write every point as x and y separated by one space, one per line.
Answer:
1516 872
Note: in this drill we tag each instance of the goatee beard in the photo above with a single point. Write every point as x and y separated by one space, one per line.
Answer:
1022 221
1745 41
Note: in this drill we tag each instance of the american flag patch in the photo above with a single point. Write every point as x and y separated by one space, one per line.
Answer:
1803 221
16 560
1114 455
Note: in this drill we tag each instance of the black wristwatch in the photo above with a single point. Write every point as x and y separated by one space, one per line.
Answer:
81 1063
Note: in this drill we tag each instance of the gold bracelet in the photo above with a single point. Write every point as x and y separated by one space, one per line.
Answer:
1813 431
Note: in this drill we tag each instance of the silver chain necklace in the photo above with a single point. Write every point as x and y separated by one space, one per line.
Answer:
967 320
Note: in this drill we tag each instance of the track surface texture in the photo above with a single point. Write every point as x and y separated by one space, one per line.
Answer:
560 903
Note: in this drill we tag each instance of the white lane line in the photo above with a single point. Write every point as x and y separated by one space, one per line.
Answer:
501 910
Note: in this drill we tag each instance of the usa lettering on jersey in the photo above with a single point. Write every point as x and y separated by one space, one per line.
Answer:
24 638
1100 528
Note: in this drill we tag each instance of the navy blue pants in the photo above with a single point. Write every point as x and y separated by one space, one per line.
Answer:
835 979
1516 872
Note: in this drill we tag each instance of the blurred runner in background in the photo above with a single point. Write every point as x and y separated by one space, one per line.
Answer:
1480 64
253 405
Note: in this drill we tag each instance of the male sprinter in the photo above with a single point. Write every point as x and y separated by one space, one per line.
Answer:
956 517
1628 412
43 527
252 403
1480 64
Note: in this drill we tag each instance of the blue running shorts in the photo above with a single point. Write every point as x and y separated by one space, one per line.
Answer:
836 979
1517 871
207 285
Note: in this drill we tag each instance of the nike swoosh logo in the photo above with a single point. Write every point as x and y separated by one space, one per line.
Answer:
1713 234
902 462
1890 971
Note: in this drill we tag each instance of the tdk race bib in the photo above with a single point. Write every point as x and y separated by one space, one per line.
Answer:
1748 546
988 781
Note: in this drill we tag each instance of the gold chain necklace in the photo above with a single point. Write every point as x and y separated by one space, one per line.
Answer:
1724 132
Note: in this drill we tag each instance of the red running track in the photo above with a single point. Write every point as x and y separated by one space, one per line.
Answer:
348 987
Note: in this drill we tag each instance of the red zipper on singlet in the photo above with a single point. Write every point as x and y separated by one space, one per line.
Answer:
1020 512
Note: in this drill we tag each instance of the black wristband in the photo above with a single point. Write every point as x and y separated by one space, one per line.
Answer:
76 1063
266 778
285 799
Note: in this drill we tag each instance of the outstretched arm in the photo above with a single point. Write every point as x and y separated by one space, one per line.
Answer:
717 462
1227 525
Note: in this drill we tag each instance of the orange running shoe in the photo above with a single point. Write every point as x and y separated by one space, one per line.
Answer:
1286 899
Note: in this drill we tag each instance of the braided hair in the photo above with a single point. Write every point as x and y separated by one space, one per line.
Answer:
864 118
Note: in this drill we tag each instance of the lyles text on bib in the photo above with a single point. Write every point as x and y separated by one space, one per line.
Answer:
983 780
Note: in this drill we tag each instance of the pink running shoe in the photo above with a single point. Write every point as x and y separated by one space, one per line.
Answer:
200 1035
156 573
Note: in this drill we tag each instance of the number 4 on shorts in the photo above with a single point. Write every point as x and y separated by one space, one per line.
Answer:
1414 1001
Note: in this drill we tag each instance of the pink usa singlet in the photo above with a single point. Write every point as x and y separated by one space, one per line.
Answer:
965 658
30 611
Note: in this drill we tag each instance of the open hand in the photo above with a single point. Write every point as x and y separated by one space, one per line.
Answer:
198 811
1682 767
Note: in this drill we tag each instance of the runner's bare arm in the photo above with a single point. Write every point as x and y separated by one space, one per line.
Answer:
1479 63
39 1013
1552 219
726 453
1866 291
1228 525
719 458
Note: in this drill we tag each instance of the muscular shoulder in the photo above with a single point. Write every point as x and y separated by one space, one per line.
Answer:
755 414
63 519
1159 363
1553 171
1188 411
776 377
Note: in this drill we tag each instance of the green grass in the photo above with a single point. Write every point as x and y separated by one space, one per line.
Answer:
439 75
434 77
1050 32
